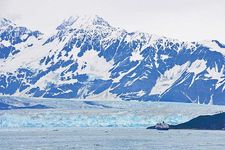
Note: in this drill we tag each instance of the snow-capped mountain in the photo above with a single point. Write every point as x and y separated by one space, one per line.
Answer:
87 58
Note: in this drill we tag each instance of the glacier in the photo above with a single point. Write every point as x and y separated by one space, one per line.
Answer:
87 58
55 113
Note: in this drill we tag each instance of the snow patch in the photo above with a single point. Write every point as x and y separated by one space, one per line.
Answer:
23 37
51 77
197 66
5 43
136 56
163 57
105 95
28 56
94 65
213 46
125 73
166 80
141 93
216 74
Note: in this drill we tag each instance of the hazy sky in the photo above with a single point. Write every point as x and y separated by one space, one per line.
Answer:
183 19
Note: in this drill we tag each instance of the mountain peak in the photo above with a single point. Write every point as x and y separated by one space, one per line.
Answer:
83 21
5 22
219 43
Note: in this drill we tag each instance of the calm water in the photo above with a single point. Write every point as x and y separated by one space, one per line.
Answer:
110 138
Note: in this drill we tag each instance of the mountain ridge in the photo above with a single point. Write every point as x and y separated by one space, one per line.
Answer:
93 60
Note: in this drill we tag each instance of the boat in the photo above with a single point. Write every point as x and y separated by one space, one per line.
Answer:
162 126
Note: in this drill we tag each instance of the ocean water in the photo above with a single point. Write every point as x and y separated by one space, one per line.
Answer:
109 139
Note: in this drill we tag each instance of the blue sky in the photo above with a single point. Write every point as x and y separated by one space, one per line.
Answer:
188 20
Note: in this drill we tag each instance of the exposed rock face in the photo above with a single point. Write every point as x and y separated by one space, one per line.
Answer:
208 122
